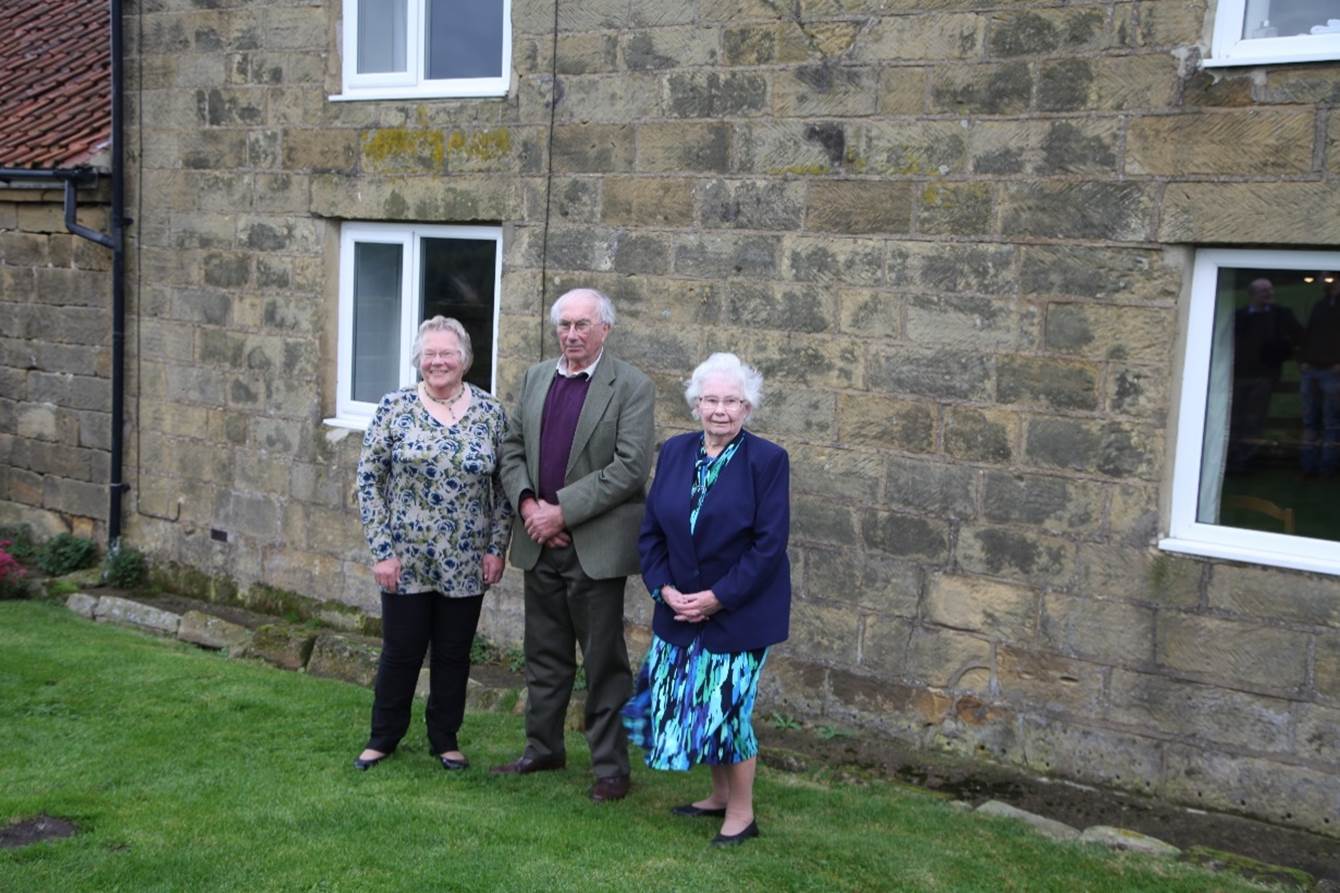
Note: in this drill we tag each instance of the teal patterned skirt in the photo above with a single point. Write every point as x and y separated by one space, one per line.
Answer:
693 706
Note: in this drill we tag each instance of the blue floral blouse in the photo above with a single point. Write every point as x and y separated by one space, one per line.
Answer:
430 493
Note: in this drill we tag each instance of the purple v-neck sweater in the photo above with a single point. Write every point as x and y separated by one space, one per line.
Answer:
562 407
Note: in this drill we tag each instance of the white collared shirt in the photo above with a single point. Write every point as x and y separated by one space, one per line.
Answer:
589 371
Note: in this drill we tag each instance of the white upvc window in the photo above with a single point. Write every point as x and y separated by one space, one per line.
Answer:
1264 32
411 49
1256 474
394 276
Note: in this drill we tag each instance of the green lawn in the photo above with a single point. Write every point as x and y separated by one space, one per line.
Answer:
188 771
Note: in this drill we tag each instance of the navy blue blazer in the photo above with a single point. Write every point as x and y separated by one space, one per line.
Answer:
738 550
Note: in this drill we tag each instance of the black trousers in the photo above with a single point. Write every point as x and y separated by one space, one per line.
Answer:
410 623
564 607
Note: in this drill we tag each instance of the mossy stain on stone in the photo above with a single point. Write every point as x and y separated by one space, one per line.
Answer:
486 145
400 146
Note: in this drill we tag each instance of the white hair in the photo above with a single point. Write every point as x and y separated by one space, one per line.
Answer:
726 364
605 307
444 324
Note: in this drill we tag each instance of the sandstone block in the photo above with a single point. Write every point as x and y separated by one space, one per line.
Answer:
1134 391
125 612
906 536
283 645
931 487
1078 210
943 659
825 259
1108 632
995 610
1044 826
1301 796
818 520
886 422
858 206
1017 555
966 322
786 308
1318 733
1187 709
1058 505
474 197
1029 32
955 267
714 95
992 89
1275 595
1114 449
868 313
1285 213
646 201
1107 332
791 147
1132 841
797 412
823 632
981 435
593 148
653 50
868 580
1139 574
347 657
1102 756
83 604
942 374
1243 655
902 90
935 37
202 629
1327 672
1033 680
1123 274
751 204
724 255
926 148
1253 141
955 209
589 53
825 91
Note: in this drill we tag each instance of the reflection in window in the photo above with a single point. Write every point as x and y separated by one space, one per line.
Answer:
1290 18
1271 448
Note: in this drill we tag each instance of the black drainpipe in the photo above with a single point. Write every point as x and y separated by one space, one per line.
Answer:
72 178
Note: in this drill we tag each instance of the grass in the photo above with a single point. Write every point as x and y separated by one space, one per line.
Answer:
188 771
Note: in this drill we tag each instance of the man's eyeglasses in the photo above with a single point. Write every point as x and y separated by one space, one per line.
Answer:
581 326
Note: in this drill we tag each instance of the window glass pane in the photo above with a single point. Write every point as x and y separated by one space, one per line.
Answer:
381 35
464 39
1271 454
377 271
1290 18
457 280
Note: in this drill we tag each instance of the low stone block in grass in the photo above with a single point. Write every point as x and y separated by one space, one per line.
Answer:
202 629
347 657
1125 839
282 644
123 611
82 604
1044 826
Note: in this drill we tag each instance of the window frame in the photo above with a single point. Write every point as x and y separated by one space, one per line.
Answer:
357 414
412 84
1228 47
1185 534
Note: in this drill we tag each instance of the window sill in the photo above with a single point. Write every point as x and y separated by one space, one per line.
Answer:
1251 556
352 423
407 94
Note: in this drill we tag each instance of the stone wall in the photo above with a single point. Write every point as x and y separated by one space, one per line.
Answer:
55 363
956 239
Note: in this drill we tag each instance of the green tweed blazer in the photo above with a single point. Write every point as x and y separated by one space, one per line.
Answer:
604 491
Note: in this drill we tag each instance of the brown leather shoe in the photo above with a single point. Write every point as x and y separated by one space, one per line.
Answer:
525 765
611 787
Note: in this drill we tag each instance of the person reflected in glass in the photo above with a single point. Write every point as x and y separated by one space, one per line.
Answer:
1265 335
713 554
1319 385
438 524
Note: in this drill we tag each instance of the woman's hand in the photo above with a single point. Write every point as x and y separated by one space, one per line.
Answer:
695 607
493 569
387 574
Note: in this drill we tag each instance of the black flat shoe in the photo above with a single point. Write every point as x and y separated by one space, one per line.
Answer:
363 765
736 839
695 812
454 765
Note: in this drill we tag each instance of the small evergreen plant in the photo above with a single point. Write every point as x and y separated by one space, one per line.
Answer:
66 553
124 567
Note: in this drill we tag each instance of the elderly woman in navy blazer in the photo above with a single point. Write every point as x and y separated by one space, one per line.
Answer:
713 550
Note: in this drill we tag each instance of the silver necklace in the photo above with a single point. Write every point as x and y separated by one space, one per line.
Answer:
448 402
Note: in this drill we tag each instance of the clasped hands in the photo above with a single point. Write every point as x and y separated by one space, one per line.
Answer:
544 523
691 607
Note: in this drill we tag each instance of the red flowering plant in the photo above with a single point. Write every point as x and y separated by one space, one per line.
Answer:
12 574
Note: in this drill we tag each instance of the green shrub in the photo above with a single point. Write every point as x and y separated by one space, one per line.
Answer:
66 553
124 567
22 546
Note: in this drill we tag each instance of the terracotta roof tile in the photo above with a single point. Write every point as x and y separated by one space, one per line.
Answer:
55 82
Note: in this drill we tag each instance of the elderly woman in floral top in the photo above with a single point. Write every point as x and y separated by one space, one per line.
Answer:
437 521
